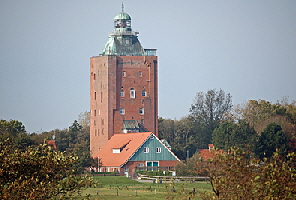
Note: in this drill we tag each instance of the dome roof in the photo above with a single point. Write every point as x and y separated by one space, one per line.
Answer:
123 15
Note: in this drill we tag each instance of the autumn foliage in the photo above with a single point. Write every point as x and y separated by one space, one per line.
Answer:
237 175
36 173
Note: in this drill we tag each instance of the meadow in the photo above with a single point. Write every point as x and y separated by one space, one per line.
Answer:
118 187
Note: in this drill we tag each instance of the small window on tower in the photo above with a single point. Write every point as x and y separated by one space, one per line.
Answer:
122 111
141 111
140 74
144 93
124 73
94 76
121 93
132 93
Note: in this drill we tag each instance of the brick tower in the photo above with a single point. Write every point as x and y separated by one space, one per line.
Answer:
123 86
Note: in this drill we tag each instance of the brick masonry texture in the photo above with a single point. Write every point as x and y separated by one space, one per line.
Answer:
108 76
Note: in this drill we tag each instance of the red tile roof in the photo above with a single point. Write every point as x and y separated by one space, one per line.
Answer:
130 142
205 154
51 143
208 153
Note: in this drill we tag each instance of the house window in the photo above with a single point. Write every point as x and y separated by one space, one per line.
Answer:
140 74
158 150
141 164
141 111
116 150
124 73
132 93
122 111
121 93
144 93
152 165
146 149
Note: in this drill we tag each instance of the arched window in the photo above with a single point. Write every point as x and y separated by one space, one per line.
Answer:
132 93
144 94
141 111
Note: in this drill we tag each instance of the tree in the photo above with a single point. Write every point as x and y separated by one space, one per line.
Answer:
15 131
271 138
230 134
83 119
187 168
236 175
257 112
209 109
36 173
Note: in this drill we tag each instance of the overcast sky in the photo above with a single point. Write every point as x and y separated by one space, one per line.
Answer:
247 48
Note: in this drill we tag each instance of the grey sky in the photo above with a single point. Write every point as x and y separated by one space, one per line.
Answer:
247 48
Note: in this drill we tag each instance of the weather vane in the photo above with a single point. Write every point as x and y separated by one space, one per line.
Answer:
122 7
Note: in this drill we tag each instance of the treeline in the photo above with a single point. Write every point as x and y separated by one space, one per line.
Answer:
73 141
258 125
32 169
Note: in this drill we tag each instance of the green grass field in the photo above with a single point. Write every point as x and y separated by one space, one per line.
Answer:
118 187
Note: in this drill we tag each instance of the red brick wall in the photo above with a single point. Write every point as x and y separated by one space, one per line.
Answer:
106 81
168 163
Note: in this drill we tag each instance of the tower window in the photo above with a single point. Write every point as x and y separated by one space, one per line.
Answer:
95 113
122 111
95 96
124 73
142 121
140 74
144 94
121 93
141 111
132 93
94 76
